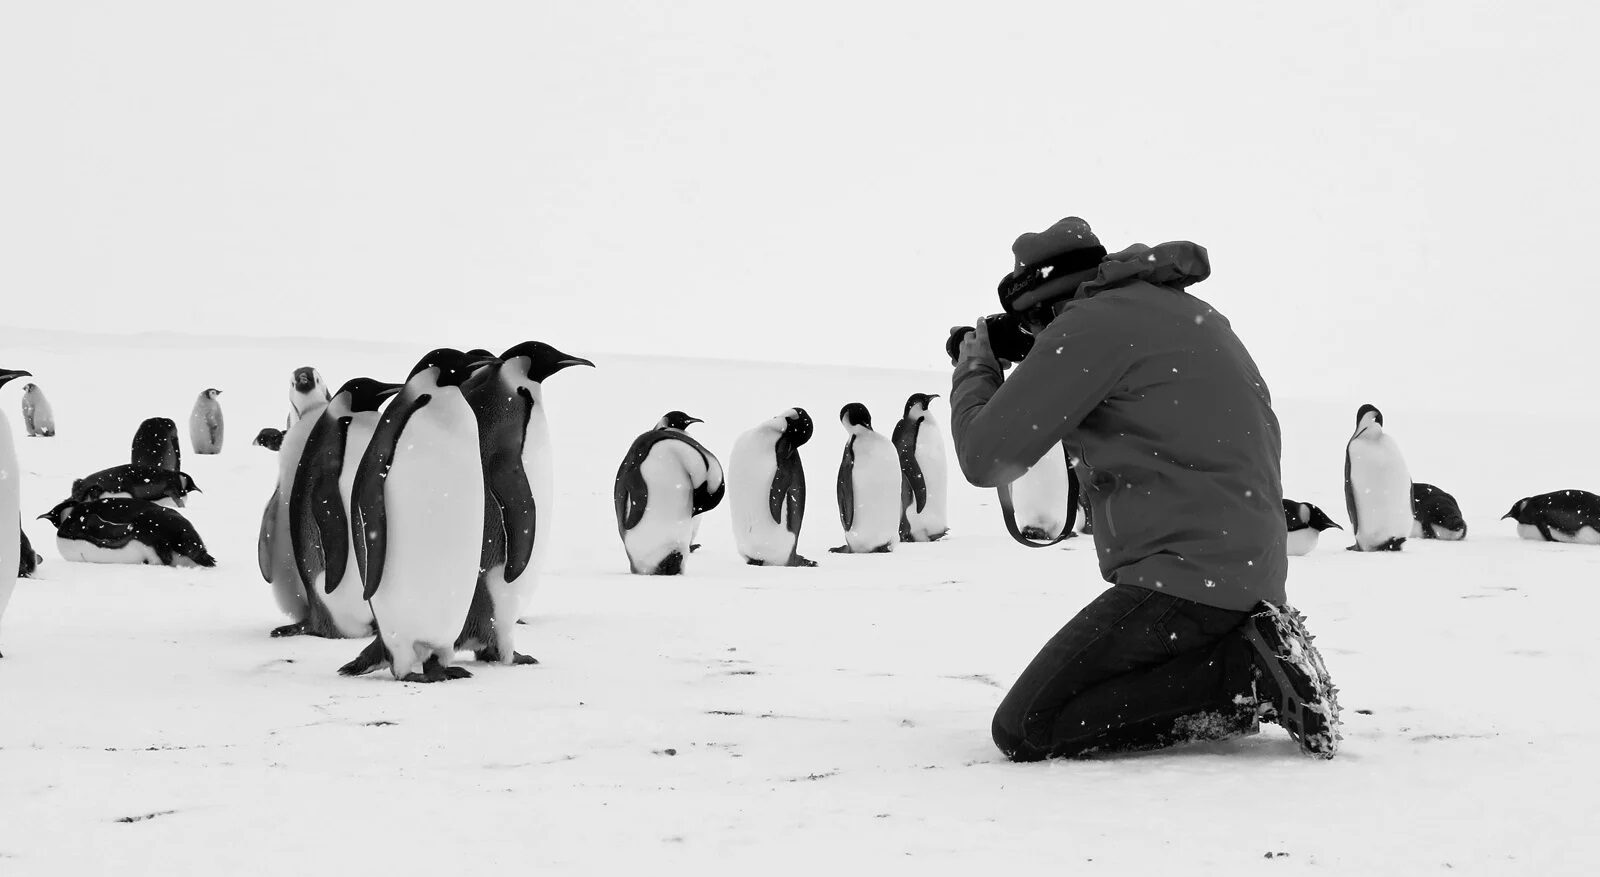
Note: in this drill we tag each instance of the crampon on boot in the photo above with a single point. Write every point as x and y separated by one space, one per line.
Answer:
1292 684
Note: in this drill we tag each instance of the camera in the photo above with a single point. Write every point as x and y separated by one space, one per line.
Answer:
1008 337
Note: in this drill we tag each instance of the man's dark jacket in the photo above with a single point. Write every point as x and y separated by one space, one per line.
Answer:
1168 418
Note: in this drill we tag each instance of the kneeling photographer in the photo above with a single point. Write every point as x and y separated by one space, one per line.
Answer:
1178 450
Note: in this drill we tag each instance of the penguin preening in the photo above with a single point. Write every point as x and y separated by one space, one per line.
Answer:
666 481
37 417
134 481
1438 515
1377 486
923 473
1560 516
868 486
10 502
307 393
205 423
1306 523
125 530
417 510
767 490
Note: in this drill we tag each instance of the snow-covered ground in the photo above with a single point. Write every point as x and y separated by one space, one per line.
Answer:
773 719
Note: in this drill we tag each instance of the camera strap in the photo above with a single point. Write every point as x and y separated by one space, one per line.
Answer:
1008 510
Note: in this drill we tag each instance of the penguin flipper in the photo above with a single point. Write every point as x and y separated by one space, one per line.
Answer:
316 511
905 445
630 494
518 514
264 541
706 497
368 526
795 501
847 485
1350 496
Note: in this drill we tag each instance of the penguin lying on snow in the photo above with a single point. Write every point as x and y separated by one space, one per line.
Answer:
1377 485
131 481
1438 516
666 481
1306 523
269 438
868 486
126 531
1562 516
29 563
1041 495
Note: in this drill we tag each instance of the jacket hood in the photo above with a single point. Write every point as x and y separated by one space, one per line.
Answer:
1176 264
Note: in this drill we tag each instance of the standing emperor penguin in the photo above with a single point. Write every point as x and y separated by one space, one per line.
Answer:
923 476
10 503
1377 485
507 398
307 393
1041 496
155 443
767 490
37 418
666 481
319 509
416 518
868 487
205 423
275 550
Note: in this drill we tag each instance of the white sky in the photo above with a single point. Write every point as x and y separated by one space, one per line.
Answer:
1389 191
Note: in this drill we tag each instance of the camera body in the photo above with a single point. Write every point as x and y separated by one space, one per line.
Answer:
1008 338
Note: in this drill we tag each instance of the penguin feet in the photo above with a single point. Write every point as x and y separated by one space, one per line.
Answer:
802 561
519 658
1392 544
433 671
695 547
375 655
883 549
491 655
840 549
299 628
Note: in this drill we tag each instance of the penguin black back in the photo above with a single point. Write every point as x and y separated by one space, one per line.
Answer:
1563 511
115 523
1436 510
138 481
788 493
156 444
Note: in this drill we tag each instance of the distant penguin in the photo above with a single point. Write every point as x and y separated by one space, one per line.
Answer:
307 393
37 418
666 480
767 490
868 486
29 559
1438 516
1040 496
319 514
417 509
1377 485
10 502
923 474
269 438
151 483
1562 516
1306 523
156 444
205 423
275 547
126 531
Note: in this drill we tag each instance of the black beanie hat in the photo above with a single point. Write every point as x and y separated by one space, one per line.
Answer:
1051 264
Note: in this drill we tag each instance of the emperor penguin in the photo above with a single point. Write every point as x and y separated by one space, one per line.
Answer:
275 547
307 393
1377 485
1306 523
124 530
666 481
1561 516
923 474
269 438
37 418
132 481
416 518
1041 495
10 502
155 443
205 423
29 561
767 490
319 509
868 486
1438 515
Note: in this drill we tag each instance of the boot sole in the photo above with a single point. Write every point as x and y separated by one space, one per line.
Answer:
1309 705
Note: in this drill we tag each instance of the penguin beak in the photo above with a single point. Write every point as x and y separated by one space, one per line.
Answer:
933 395
8 375
480 363
389 390
571 361
696 420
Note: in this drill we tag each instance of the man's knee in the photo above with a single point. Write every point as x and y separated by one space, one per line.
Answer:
1010 735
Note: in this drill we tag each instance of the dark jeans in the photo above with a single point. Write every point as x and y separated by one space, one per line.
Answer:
1136 669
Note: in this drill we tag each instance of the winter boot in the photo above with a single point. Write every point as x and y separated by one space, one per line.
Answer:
1292 684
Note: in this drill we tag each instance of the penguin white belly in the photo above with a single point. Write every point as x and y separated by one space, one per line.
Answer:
537 463
287 589
346 606
876 478
1302 541
1040 495
87 552
668 524
751 468
933 520
1444 534
1584 536
433 508
10 510
1380 485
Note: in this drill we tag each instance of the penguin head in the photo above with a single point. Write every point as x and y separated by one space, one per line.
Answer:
797 426
211 393
30 388
1318 519
1368 415
8 375
676 420
61 513
366 394
306 379
540 360
855 414
269 438
450 367
1517 511
917 405
187 485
